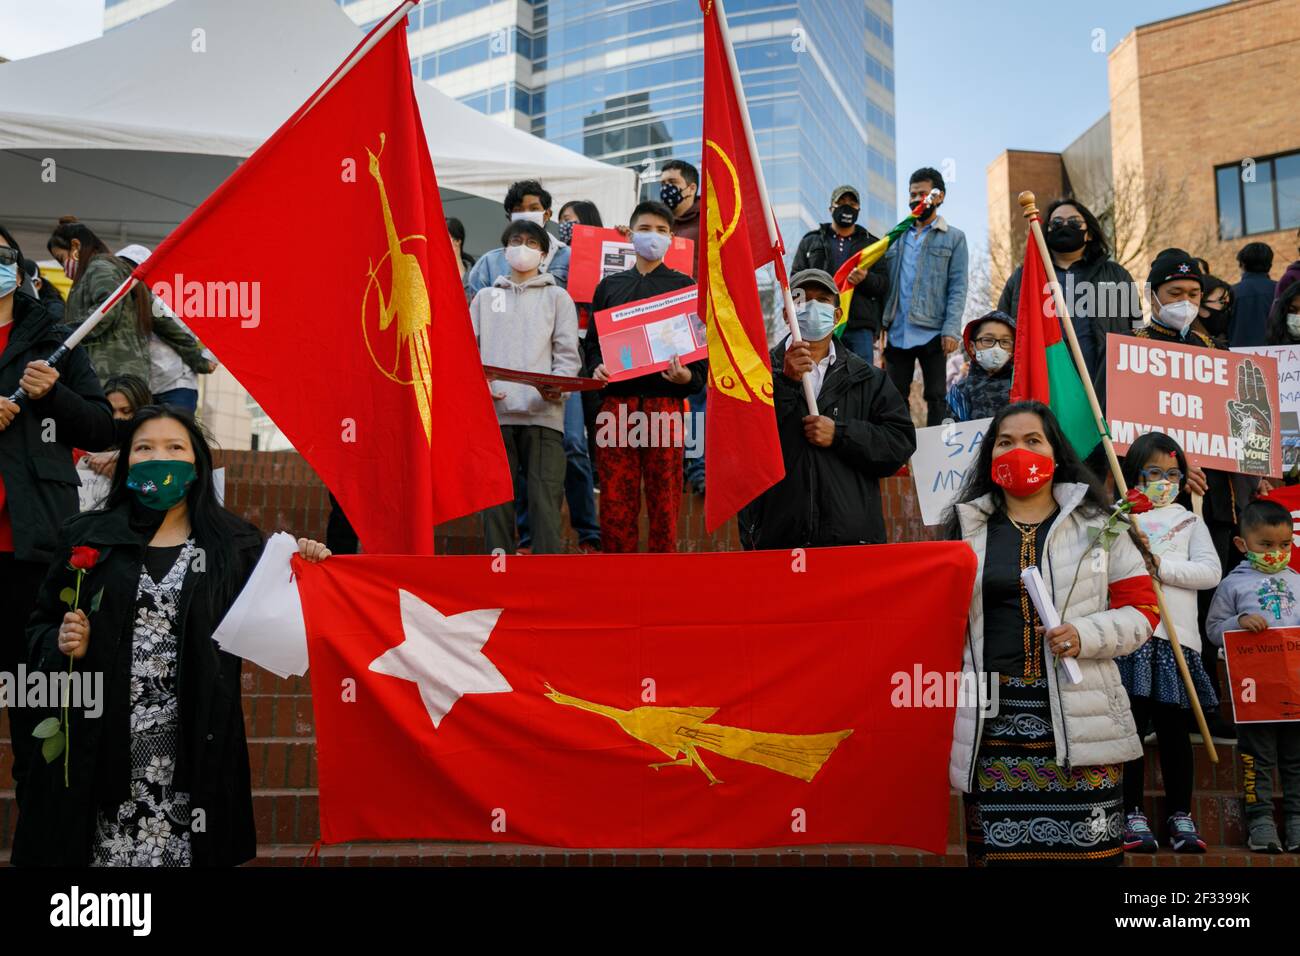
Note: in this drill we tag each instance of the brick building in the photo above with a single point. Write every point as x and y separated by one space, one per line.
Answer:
1200 148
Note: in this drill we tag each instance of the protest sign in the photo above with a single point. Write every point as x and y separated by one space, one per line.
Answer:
565 383
596 253
1220 406
943 453
643 336
1288 378
1264 674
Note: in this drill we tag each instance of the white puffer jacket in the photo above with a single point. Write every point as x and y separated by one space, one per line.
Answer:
1091 720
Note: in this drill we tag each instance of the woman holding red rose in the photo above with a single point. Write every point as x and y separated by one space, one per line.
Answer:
161 778
65 408
1042 772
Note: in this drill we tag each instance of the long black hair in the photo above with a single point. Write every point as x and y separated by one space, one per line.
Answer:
210 522
585 210
1069 468
1277 333
1096 247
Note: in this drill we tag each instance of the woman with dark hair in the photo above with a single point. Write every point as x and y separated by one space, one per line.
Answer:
64 408
1284 318
1099 292
456 230
1042 772
47 292
1216 309
577 211
119 344
170 740
127 394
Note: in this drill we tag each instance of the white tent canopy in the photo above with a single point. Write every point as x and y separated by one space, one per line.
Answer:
142 124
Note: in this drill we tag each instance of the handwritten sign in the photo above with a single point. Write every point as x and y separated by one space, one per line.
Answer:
1288 384
1222 407
1264 674
943 454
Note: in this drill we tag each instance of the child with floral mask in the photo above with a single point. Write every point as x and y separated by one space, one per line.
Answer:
1260 594
1187 562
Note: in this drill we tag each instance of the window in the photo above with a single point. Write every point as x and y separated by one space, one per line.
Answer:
1256 196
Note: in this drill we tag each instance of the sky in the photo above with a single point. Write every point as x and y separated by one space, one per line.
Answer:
975 77
972 77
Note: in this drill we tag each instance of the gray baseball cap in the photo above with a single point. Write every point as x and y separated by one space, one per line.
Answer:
814 277
840 191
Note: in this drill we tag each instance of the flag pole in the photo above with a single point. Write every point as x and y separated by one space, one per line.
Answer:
84 329
1026 200
769 217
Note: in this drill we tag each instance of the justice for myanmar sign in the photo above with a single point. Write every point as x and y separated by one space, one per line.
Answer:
1221 407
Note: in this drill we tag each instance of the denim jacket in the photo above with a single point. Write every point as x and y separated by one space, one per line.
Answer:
939 290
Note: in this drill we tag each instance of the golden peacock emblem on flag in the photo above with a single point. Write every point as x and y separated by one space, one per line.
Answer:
682 730
735 367
401 308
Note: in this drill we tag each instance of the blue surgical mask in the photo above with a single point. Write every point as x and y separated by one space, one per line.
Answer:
8 278
651 246
816 321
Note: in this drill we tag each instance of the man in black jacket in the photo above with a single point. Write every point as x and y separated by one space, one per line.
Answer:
827 247
834 460
65 408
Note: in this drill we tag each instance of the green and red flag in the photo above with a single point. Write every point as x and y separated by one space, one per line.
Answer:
865 258
1044 369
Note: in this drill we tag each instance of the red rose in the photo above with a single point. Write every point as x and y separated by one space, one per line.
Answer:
1138 502
83 558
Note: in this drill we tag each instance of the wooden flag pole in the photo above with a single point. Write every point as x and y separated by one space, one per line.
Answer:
769 217
1027 203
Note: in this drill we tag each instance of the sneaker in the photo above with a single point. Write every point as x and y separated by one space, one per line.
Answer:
1293 834
523 549
1150 739
1263 836
1183 836
589 547
1138 837
1222 732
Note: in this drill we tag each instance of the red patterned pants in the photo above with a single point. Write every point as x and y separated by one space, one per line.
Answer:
622 469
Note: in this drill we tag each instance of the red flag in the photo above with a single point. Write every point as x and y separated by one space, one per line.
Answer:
1288 496
742 448
320 273
653 714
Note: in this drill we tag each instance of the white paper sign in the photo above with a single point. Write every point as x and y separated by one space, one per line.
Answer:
265 624
943 453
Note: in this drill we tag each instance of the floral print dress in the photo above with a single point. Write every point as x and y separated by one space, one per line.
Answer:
152 827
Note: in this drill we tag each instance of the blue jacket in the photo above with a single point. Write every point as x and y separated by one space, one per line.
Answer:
1252 298
492 266
939 290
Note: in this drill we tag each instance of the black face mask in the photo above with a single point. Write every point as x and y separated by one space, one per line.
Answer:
1066 237
670 194
844 215
1216 322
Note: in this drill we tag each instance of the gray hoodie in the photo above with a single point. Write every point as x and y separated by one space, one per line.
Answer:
1247 591
530 327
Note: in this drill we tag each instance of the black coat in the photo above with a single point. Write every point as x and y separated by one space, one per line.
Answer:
40 479
57 823
814 252
831 496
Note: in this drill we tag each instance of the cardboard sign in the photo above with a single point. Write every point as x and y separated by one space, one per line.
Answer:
596 253
642 337
1288 383
564 383
1222 407
1264 674
943 453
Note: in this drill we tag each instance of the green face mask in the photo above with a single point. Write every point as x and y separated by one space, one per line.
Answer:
160 483
1270 562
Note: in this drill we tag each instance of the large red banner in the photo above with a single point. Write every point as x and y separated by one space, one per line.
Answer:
704 700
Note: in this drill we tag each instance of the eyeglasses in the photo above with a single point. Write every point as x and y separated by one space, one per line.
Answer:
1076 221
1155 474
522 241
988 341
8 255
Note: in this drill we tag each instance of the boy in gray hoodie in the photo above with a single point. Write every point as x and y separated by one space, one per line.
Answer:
1259 593
525 321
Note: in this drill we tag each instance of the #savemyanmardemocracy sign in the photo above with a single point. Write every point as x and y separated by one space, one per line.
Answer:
1264 674
1288 383
1221 407
943 453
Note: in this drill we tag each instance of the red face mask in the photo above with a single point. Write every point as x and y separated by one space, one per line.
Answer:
1021 472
